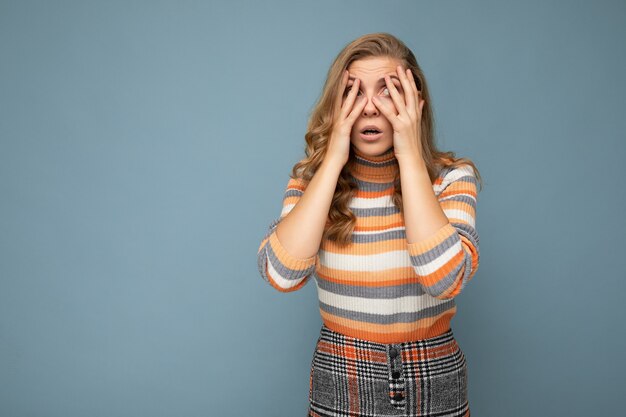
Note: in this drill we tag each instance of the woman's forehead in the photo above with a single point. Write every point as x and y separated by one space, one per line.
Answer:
372 69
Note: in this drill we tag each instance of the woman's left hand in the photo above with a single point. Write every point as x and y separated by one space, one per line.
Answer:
407 122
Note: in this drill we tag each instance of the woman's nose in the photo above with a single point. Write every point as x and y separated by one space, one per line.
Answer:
369 108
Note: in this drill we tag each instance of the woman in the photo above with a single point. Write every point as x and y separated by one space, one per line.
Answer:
385 223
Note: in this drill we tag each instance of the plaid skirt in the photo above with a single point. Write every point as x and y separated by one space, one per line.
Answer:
358 378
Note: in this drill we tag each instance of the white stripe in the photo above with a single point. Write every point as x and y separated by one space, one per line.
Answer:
365 263
279 279
360 202
458 172
461 215
377 232
456 194
440 260
286 209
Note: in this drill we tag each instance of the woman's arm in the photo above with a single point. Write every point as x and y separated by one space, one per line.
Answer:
442 240
301 231
288 253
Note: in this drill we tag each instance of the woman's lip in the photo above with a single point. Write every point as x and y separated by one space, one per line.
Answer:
371 138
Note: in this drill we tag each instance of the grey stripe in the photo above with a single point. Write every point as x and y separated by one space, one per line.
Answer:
267 253
262 255
447 281
386 292
468 232
284 271
379 237
389 318
372 186
462 198
292 192
391 161
468 270
261 263
374 211
434 253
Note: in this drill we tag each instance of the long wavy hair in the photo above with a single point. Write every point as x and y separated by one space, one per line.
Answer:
341 221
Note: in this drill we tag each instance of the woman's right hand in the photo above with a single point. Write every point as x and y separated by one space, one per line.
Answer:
346 114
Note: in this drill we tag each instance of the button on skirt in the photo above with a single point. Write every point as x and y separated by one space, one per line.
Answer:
354 377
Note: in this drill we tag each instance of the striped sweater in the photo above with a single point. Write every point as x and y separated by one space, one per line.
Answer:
380 287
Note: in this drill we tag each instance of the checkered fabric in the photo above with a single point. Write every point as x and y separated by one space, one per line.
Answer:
359 378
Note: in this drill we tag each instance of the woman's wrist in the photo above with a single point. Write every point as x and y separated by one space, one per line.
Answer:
332 164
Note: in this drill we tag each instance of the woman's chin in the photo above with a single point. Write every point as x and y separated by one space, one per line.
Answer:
374 147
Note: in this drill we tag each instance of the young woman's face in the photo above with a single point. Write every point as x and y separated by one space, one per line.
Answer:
371 73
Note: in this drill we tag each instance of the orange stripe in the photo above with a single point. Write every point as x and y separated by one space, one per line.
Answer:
390 333
378 223
463 187
329 348
432 352
373 194
353 381
443 271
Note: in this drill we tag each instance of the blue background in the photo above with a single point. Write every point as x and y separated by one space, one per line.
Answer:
144 150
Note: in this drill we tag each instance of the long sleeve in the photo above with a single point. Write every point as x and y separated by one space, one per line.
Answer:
447 260
278 267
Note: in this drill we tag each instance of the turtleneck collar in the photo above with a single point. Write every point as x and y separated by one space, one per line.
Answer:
377 168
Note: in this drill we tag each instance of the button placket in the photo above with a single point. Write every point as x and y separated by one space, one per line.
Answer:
396 380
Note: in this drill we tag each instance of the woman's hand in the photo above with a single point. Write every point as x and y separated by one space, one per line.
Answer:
338 148
407 123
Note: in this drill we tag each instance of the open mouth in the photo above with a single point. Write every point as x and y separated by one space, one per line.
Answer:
371 132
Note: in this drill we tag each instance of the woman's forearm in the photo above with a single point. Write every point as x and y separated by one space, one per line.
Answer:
300 232
423 215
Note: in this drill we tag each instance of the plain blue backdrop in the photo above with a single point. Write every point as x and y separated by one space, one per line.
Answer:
144 150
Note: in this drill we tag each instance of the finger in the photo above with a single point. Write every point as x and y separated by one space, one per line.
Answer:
342 87
411 78
347 105
385 108
416 91
409 92
340 97
356 110
397 99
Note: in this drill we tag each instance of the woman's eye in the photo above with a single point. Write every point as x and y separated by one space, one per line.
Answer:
388 93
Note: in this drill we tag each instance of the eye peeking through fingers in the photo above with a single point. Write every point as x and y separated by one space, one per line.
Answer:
385 90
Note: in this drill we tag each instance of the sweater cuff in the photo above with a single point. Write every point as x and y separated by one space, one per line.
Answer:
423 246
287 259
